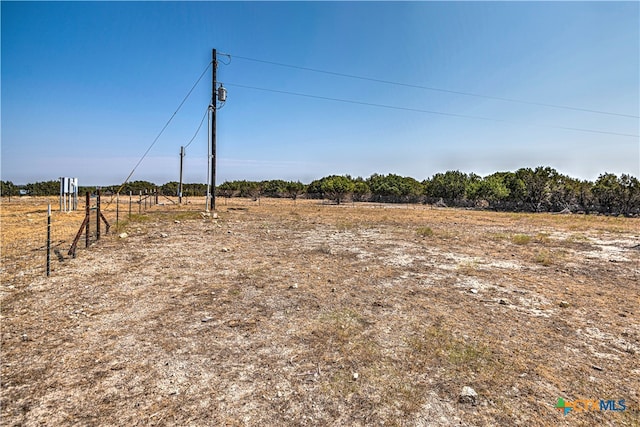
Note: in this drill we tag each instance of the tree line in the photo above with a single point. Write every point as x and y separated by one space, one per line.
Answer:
52 188
542 189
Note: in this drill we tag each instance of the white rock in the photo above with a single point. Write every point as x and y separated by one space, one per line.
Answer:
123 235
468 395
473 291
294 286
164 235
355 376
225 249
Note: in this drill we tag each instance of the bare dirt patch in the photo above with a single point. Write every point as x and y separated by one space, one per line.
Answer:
311 314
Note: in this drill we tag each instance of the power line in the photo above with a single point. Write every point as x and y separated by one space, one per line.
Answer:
164 127
370 104
497 98
199 126
418 110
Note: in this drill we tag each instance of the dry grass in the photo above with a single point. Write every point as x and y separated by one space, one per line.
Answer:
521 239
265 315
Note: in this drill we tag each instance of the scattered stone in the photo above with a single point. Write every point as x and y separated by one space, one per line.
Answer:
123 235
294 286
468 395
564 304
225 249
473 291
207 318
176 221
164 235
597 368
205 215
503 302
355 376
333 289
25 337
215 215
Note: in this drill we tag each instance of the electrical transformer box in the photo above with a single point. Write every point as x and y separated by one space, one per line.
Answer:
222 94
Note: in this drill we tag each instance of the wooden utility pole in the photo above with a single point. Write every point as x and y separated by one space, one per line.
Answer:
213 130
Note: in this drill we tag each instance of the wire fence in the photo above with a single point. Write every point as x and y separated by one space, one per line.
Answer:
27 239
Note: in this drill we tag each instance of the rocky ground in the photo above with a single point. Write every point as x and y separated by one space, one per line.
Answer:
314 314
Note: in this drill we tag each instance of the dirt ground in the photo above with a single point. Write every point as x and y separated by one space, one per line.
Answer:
316 314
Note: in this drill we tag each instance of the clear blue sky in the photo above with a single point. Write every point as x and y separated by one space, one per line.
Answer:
86 87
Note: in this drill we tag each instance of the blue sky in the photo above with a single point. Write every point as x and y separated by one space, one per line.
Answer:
86 88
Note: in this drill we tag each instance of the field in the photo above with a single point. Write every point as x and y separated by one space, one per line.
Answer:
277 313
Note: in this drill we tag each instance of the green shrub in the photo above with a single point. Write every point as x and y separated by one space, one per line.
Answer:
424 232
520 239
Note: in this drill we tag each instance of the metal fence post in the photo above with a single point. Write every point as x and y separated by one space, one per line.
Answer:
140 203
130 196
117 209
49 240
87 212
98 215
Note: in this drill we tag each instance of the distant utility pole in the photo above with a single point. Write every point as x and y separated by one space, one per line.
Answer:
213 129
180 184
